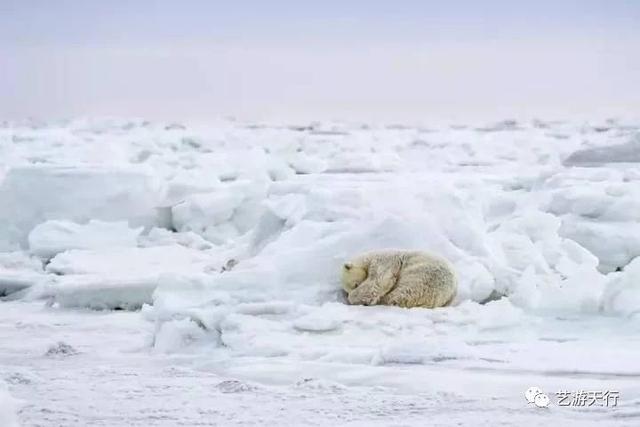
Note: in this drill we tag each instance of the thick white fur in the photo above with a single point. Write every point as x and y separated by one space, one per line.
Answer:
401 278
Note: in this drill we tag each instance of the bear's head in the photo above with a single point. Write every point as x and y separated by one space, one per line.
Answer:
352 276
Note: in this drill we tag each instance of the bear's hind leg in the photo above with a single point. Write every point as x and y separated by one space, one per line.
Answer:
407 296
375 286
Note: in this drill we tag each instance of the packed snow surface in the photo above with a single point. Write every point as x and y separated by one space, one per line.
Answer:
158 274
8 406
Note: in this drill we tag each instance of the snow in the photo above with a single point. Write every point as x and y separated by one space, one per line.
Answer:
622 296
615 244
221 245
8 408
222 215
32 194
600 210
123 278
626 152
159 259
53 237
19 271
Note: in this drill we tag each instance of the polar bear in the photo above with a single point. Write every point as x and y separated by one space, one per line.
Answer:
401 278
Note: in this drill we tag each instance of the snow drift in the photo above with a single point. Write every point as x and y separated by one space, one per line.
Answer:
234 235
8 407
30 195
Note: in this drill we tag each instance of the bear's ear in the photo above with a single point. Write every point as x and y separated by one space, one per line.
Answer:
348 266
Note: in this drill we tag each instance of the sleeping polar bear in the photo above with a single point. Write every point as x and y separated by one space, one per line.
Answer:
401 278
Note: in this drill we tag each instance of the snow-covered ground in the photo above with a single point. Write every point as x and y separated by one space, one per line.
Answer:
157 274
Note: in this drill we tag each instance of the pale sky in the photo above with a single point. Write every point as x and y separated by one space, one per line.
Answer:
390 60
